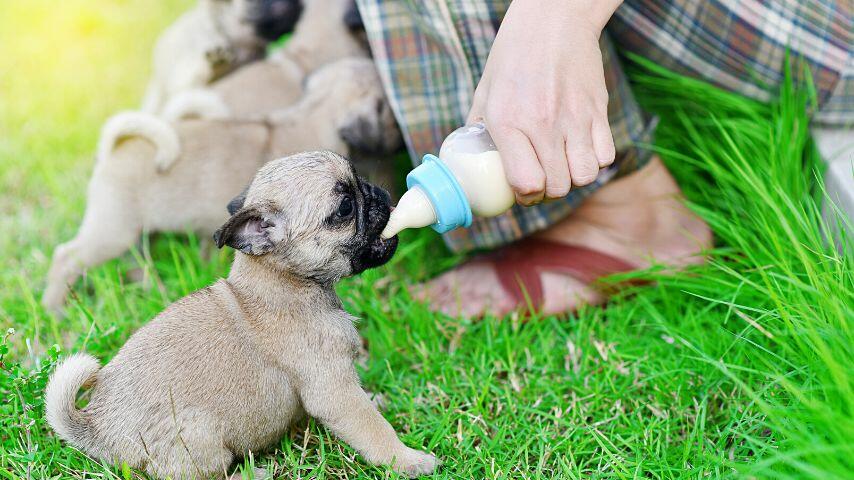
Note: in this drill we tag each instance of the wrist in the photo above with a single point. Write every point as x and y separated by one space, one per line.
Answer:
595 13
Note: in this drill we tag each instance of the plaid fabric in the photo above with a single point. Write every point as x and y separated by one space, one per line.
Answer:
741 45
430 55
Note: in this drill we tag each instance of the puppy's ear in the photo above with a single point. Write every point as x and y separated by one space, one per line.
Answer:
237 202
248 231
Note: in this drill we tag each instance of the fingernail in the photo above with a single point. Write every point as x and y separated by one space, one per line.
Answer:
529 200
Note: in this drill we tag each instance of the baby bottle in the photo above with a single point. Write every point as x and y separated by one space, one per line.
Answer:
466 179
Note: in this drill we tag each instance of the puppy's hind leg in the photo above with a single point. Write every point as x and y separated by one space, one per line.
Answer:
109 228
193 449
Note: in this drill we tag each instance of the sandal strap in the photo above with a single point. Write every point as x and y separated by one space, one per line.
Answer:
519 266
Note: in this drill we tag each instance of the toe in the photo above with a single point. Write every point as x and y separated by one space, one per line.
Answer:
415 463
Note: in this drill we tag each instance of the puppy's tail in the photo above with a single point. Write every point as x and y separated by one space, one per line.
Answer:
67 421
145 125
195 103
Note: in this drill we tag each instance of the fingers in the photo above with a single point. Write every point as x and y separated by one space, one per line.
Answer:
478 104
603 141
583 165
521 165
546 161
551 153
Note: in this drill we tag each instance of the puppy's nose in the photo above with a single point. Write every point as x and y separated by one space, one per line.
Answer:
381 194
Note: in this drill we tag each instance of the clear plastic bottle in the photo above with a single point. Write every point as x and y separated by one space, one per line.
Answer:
466 179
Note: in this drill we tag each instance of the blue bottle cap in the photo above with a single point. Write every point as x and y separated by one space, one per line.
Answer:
444 191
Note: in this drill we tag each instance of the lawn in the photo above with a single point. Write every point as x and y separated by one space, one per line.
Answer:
740 367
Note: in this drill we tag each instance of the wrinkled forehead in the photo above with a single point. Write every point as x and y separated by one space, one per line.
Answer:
307 179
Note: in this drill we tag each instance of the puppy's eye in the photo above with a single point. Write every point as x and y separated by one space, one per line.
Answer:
345 208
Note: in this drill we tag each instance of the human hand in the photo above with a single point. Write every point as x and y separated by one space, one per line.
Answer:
543 97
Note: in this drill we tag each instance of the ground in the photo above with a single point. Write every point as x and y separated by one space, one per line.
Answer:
741 367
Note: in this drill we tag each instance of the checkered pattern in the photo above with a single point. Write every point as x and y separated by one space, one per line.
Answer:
430 55
741 45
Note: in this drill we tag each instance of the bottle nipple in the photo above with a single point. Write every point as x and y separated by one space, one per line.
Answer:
414 210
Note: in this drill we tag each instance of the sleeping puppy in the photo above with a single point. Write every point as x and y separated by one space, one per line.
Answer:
323 34
130 193
211 40
254 91
226 370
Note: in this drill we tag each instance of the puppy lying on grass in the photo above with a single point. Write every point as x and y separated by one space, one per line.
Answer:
212 39
226 370
212 160
321 36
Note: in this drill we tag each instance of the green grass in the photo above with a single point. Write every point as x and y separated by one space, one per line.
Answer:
741 367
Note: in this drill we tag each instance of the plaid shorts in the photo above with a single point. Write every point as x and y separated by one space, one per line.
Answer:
431 54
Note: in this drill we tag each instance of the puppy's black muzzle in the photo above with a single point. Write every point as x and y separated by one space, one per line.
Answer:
274 18
371 250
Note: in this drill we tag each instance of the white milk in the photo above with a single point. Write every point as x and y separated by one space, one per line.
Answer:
482 178
471 156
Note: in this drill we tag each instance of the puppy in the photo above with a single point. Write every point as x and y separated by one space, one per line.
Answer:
254 91
325 32
211 40
131 193
322 35
226 370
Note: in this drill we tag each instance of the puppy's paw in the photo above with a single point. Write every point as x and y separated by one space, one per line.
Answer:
414 463
221 61
220 56
53 298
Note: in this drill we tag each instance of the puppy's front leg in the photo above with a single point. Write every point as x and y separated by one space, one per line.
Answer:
338 401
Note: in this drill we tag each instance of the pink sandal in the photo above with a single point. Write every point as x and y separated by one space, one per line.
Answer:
519 267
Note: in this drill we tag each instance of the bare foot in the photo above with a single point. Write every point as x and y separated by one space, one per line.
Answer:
639 218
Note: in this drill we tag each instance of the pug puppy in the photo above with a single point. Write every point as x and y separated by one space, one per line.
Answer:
211 40
250 93
323 34
226 370
130 193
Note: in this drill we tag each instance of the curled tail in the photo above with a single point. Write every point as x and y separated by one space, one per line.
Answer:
67 421
195 103
147 126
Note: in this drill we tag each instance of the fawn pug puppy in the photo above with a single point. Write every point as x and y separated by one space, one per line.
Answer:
322 35
226 370
130 193
212 39
252 92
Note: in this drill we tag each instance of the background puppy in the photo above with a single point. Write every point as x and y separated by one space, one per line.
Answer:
273 18
130 193
226 370
323 34
211 40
